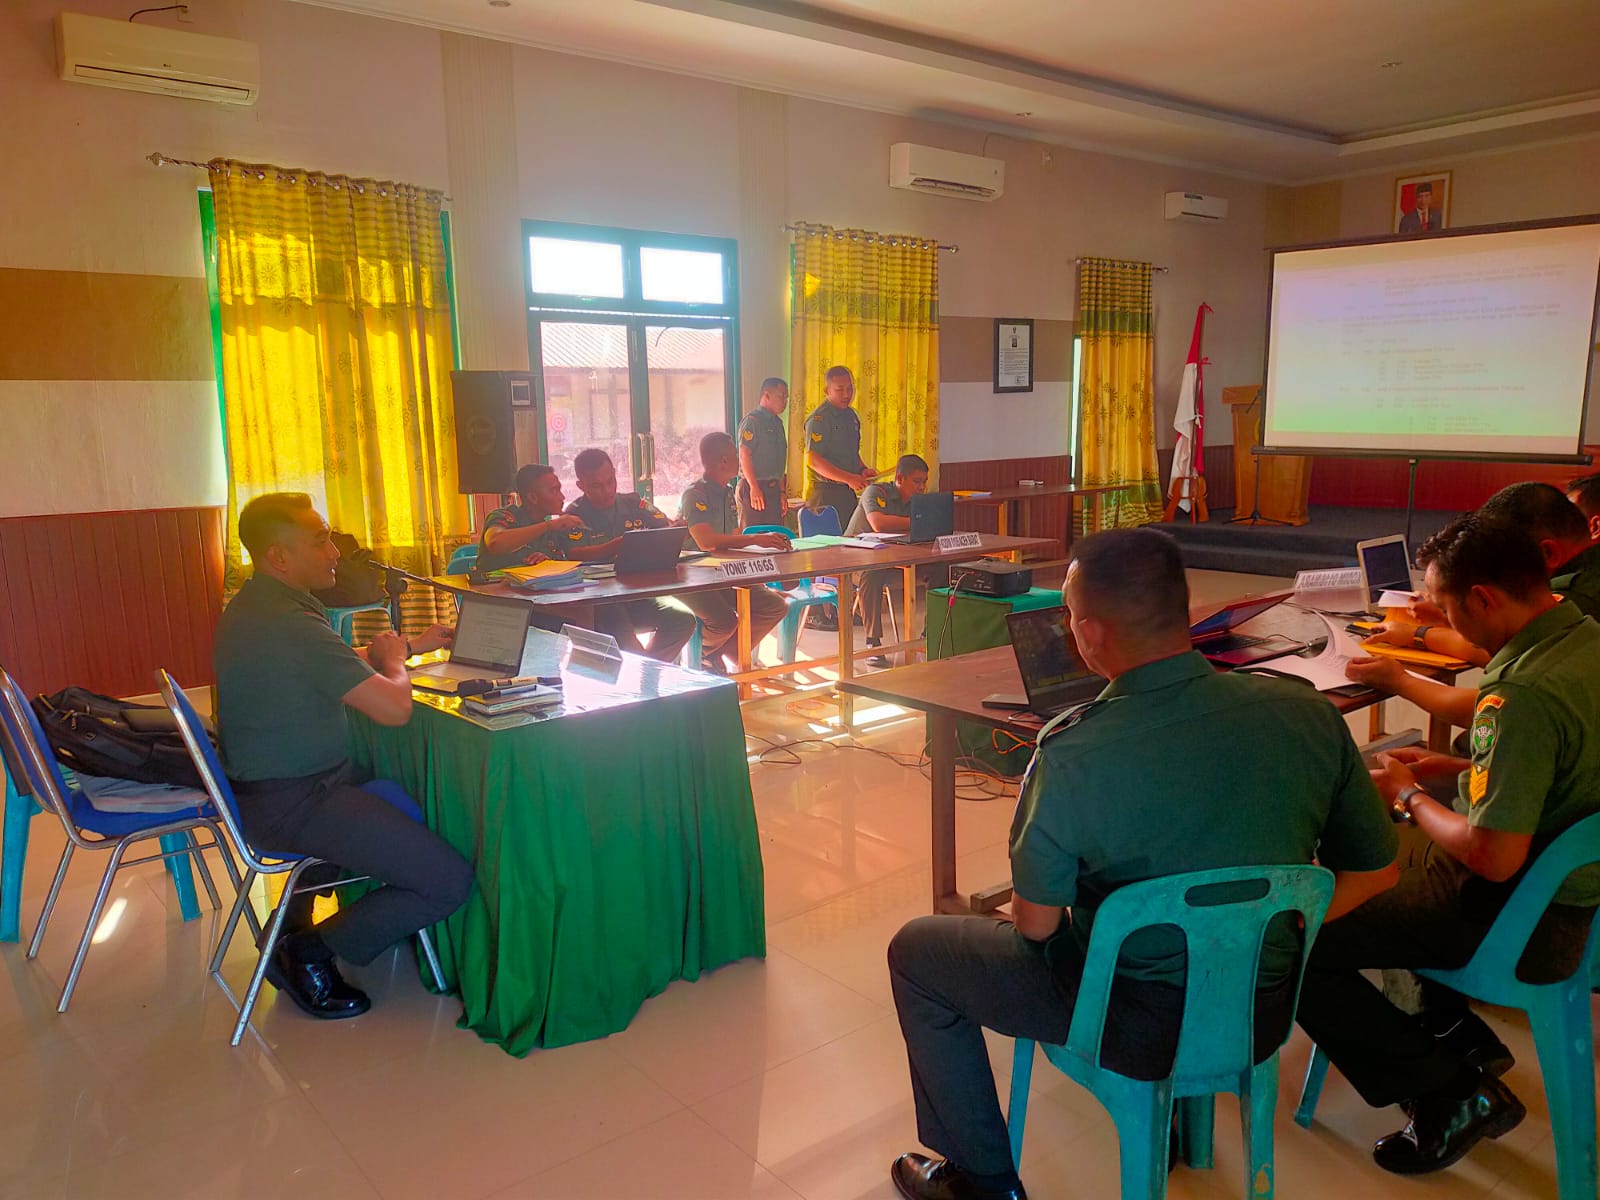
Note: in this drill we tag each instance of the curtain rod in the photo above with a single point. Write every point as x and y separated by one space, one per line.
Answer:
289 174
865 235
1161 270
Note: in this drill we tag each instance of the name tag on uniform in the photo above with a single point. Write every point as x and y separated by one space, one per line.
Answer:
746 570
959 541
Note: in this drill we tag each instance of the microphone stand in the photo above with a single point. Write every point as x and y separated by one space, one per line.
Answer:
395 584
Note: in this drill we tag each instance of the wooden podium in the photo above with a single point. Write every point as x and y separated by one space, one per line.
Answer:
1285 479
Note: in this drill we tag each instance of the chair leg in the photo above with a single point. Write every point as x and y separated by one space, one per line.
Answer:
789 632
1197 1118
13 856
1564 1037
241 903
1311 1090
89 926
182 876
239 885
1256 1110
431 957
197 852
274 931
1017 1110
1144 1130
50 899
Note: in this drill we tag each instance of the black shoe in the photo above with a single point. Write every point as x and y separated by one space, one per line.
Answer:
917 1177
317 987
1444 1127
824 618
1471 1039
712 664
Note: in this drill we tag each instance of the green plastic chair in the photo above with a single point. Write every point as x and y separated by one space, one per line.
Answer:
1558 1013
1223 915
804 595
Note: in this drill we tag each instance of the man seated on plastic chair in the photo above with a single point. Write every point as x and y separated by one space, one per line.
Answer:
284 679
1174 768
885 508
1534 770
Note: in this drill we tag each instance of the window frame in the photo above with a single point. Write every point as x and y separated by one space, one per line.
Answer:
633 242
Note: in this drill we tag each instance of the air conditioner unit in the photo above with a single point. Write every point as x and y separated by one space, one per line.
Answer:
152 58
1195 207
945 172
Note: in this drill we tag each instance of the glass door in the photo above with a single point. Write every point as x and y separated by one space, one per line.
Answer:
588 394
687 370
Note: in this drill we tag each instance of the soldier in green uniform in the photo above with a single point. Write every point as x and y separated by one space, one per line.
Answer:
764 459
1534 770
532 529
606 516
886 508
709 510
834 470
1173 768
1584 491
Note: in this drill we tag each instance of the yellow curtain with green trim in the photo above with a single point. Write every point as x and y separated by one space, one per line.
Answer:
336 358
869 302
1117 433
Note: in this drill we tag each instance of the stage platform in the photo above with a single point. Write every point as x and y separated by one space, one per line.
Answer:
1327 540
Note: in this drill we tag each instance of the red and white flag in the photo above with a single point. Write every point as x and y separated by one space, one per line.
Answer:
1188 455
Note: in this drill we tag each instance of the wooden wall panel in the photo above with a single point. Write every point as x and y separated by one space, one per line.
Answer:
1048 517
103 599
1451 486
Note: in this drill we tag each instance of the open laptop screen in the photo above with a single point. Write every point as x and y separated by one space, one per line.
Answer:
1044 650
1385 566
491 632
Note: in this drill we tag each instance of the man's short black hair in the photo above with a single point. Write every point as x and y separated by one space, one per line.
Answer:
1476 550
712 446
908 463
1585 493
265 520
1138 575
771 382
529 475
1424 187
837 373
1541 508
589 461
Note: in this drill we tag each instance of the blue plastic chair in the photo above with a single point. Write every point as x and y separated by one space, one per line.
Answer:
1223 915
1558 1013
806 594
462 561
19 813
87 828
209 765
343 620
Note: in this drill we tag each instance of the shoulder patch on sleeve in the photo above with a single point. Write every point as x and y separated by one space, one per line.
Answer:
817 437
699 507
882 503
749 435
1485 729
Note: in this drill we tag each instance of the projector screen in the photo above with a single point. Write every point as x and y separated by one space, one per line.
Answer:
1465 344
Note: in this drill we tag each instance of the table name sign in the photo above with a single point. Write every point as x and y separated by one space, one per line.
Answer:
959 541
745 570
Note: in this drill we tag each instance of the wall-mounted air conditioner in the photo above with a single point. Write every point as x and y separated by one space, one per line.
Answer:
1192 206
945 172
152 58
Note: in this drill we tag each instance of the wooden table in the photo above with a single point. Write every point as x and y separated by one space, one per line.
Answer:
841 562
952 689
1004 500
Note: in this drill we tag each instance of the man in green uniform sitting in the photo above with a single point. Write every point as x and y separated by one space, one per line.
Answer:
533 529
1534 771
1584 491
284 680
709 511
886 508
607 515
1174 768
764 459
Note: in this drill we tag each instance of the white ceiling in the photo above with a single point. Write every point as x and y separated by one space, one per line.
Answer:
1285 90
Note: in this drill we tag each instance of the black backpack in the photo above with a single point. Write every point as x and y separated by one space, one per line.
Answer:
99 735
355 581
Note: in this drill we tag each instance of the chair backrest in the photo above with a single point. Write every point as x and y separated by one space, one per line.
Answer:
1502 947
463 560
41 773
1223 915
825 521
780 529
209 763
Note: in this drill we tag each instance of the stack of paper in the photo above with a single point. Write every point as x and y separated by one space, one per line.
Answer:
542 577
1327 670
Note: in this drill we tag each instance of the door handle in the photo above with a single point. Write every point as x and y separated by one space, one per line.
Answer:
647 456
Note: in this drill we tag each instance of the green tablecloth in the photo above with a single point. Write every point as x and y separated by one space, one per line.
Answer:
616 851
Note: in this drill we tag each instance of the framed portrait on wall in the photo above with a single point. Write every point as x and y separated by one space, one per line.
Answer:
1422 202
1013 354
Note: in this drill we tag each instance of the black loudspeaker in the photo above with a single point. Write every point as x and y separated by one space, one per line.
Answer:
490 406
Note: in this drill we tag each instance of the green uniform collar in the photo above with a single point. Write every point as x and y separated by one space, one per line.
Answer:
1163 673
272 584
1546 625
1583 560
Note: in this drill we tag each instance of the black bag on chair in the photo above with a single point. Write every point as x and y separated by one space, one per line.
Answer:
99 735
355 581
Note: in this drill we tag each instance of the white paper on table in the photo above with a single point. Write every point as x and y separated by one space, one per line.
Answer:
749 550
1393 598
1327 670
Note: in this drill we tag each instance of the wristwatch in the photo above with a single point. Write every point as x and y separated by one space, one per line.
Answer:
1419 637
1400 806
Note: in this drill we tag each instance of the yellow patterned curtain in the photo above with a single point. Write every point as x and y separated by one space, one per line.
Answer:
1117 437
336 357
869 302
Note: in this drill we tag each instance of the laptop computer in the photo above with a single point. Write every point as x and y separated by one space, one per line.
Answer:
490 634
1213 632
644 551
933 515
1052 676
1385 565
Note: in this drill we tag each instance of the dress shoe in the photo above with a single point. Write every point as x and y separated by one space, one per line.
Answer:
317 987
1444 1126
877 660
1471 1040
824 618
917 1177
